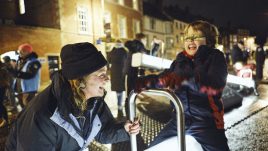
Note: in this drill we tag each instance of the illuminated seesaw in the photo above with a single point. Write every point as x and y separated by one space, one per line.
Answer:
181 142
152 62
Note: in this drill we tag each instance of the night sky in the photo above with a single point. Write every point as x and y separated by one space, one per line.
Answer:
252 14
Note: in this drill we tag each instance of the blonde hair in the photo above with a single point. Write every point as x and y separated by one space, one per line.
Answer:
79 96
210 31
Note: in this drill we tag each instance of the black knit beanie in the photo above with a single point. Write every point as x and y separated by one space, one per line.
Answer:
80 59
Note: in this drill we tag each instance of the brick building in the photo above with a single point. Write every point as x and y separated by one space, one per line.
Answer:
49 24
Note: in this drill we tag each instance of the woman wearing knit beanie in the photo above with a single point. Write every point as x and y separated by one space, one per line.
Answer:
71 112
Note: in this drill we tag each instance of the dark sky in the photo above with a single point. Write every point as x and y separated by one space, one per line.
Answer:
249 13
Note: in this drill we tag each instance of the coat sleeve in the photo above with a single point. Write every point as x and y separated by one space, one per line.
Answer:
32 70
32 133
213 72
111 131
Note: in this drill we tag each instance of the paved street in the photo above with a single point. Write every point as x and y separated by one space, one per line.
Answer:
250 134
246 126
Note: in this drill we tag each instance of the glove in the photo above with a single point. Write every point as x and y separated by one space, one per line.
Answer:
145 82
170 80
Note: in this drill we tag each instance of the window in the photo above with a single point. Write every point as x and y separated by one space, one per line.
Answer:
136 26
122 26
169 28
107 25
121 2
181 27
135 4
107 17
152 23
235 38
107 22
82 20
169 42
21 6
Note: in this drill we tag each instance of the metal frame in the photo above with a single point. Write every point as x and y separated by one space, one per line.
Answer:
179 111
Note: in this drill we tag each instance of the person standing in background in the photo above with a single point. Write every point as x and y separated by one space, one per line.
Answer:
227 56
10 92
260 57
140 43
134 46
156 45
4 85
27 74
117 58
237 53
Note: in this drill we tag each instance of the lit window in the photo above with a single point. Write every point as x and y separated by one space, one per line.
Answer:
22 6
122 26
82 20
121 2
235 38
169 42
169 28
152 23
136 26
107 17
135 4
107 22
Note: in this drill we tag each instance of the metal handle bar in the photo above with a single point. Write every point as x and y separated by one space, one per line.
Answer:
179 111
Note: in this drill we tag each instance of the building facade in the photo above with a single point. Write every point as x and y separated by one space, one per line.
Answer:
50 24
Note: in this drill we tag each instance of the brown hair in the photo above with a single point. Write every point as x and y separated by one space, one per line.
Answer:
140 36
210 31
79 96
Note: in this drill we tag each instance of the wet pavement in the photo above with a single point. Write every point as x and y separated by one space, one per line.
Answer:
246 125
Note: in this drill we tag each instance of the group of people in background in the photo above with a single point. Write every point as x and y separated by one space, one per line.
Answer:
240 55
123 75
19 79
192 77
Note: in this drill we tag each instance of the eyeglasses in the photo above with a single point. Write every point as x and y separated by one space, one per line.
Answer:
102 76
194 38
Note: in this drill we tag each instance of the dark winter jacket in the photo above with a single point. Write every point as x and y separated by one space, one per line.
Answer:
33 66
203 73
237 55
117 58
132 73
209 72
135 46
51 122
27 73
260 56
